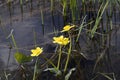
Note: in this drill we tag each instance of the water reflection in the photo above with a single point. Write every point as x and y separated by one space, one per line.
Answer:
24 23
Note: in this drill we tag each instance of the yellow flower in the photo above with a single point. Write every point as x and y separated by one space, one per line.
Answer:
61 40
37 51
67 28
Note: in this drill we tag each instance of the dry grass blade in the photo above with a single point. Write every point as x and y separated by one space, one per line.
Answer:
99 58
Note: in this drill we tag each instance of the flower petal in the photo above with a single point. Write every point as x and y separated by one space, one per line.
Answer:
37 51
61 40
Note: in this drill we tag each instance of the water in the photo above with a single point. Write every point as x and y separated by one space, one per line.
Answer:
24 25
26 22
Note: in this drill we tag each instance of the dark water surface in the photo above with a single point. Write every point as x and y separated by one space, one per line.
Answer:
25 23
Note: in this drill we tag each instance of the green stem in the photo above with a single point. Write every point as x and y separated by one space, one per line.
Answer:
42 18
59 58
35 69
14 42
68 55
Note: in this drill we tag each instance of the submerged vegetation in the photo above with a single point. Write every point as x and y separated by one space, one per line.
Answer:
82 33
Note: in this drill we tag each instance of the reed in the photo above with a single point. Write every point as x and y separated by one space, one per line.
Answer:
31 5
21 7
73 7
64 10
42 19
52 6
34 35
99 16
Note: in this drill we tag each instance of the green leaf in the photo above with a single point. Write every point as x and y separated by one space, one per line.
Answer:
54 70
22 58
69 74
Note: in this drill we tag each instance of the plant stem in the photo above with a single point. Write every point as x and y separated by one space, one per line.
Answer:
35 69
14 42
59 58
34 33
42 18
68 55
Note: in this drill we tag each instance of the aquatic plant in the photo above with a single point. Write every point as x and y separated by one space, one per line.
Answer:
67 28
37 51
61 40
88 20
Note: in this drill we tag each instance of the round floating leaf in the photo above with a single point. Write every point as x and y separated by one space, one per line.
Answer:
22 58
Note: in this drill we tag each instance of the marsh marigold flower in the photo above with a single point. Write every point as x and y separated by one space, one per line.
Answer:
61 40
37 51
67 28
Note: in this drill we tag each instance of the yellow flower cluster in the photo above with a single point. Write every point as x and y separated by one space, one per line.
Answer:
67 28
37 51
61 40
